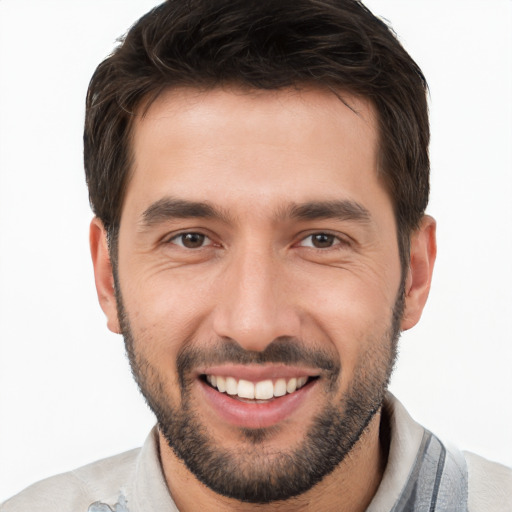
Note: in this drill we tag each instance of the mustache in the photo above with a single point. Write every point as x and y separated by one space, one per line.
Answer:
282 350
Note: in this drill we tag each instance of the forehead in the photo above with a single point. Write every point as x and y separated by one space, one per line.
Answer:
279 146
261 114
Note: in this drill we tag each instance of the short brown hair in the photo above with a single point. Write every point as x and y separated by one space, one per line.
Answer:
263 44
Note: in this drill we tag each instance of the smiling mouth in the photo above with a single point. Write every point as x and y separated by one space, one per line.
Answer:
257 392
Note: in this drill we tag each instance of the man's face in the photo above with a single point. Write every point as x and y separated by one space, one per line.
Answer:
258 258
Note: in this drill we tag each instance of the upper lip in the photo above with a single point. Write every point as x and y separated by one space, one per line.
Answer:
256 373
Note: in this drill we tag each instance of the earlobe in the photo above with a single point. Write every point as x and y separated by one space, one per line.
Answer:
423 251
103 275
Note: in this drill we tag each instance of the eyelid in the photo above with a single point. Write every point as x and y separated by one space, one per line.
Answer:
339 239
171 239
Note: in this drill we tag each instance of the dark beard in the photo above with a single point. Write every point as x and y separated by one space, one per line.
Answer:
253 473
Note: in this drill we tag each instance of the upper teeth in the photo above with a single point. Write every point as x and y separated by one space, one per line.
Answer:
262 390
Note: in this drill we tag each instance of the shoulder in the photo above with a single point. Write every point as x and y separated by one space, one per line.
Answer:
489 485
78 489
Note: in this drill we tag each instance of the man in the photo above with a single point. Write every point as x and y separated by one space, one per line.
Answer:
259 175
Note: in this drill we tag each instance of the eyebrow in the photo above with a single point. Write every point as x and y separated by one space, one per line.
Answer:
169 208
340 210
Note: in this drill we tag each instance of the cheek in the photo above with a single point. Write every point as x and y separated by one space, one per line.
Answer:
353 313
160 323
361 295
165 308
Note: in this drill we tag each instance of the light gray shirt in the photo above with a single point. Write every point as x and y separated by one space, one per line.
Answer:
421 475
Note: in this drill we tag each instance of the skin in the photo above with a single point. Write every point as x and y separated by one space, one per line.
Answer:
252 156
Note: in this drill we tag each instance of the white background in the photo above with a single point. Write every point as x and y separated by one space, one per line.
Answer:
66 394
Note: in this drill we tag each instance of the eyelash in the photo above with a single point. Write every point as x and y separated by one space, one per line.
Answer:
334 240
180 236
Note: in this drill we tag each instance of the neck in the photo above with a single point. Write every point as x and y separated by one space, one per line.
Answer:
349 488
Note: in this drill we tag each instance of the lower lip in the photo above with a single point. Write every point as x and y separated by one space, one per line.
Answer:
256 415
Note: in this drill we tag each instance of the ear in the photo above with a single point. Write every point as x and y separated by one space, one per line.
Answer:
423 251
103 275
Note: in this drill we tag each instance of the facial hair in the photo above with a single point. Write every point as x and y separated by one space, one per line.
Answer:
253 473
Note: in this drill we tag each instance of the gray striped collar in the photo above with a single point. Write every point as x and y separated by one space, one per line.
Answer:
438 481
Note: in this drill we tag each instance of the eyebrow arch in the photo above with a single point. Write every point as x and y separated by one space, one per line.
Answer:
169 208
341 210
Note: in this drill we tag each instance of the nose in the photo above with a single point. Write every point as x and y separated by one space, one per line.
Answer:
256 303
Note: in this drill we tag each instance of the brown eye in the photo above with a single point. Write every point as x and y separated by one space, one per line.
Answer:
322 240
190 240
